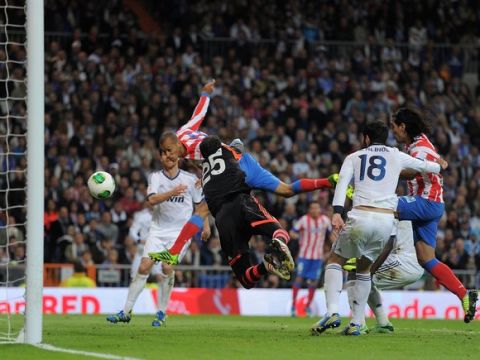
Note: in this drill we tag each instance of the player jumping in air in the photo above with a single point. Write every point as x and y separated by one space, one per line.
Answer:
173 194
186 143
313 230
375 170
238 216
424 205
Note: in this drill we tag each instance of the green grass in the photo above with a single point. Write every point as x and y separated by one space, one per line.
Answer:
233 337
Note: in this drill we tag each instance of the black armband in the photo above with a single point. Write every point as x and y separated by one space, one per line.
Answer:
338 209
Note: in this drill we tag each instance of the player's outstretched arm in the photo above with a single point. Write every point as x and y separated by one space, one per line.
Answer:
201 109
154 199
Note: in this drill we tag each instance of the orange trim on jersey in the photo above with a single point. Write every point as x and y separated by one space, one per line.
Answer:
235 154
261 222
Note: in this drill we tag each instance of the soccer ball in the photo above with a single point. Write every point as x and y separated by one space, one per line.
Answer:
101 185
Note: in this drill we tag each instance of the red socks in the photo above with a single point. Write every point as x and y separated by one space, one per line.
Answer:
447 278
193 226
304 185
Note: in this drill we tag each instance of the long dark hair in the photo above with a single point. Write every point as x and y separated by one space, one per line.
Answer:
415 122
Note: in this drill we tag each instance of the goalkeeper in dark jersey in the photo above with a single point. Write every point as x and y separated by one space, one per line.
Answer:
238 216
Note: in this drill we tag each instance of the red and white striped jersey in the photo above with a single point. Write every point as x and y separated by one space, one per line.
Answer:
428 185
189 135
312 235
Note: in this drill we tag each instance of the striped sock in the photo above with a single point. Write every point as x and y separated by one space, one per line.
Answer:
363 283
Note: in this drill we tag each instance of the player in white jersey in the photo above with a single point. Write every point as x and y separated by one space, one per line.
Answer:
375 170
396 267
173 194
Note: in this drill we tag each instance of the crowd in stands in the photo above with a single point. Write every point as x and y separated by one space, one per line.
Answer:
299 108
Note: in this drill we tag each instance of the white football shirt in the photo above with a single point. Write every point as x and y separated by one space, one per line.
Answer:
375 171
169 217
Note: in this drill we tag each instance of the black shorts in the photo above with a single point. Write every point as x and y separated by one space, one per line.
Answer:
240 218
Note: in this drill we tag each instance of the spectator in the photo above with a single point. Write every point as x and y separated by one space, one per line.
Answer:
79 278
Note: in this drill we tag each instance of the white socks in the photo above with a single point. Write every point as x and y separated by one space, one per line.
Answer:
165 290
333 287
375 303
361 290
134 290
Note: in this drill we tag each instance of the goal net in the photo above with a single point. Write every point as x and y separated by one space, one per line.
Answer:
14 157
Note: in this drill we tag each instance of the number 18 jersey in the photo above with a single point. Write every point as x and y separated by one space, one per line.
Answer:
222 178
375 171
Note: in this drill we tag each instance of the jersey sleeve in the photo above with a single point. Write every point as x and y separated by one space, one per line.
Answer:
299 225
423 152
198 114
134 231
197 192
423 166
328 223
344 178
153 184
256 176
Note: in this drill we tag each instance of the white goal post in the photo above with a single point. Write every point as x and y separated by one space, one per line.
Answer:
35 170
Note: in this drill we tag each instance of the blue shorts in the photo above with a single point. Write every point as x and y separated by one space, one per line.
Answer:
424 215
256 176
310 269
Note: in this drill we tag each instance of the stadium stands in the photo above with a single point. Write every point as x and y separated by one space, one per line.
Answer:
296 88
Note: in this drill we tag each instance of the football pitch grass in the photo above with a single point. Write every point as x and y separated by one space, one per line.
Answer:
235 337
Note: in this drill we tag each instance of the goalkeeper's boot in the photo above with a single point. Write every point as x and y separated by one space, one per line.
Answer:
364 330
160 319
164 256
273 266
278 259
469 304
350 264
328 322
383 329
352 330
333 179
120 317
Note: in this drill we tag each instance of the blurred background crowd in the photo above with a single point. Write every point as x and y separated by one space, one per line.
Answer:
295 88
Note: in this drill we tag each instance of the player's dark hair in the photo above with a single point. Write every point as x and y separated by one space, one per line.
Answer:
210 145
167 136
78 267
415 123
377 131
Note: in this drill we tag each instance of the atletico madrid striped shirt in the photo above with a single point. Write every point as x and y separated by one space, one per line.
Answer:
312 235
428 185
189 135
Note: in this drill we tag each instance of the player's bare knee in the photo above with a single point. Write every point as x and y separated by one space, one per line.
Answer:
202 210
145 266
363 265
284 190
335 259
167 269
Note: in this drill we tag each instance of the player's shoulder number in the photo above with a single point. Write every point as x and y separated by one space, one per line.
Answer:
213 165
376 167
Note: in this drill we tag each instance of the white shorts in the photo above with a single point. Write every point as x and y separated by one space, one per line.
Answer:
397 272
157 243
365 234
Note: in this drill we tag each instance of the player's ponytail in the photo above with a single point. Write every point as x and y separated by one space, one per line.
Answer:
415 123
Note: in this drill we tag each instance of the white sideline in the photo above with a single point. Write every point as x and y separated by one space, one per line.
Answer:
85 353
